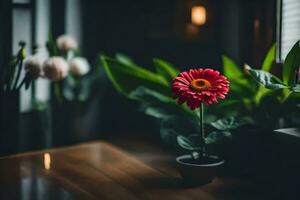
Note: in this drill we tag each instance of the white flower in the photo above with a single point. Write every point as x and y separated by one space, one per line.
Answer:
33 65
66 43
55 68
79 66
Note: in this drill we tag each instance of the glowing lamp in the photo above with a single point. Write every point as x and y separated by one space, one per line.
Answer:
198 15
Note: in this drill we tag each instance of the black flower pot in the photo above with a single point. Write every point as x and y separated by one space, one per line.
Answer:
198 172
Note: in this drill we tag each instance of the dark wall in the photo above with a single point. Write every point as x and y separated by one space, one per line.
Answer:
143 30
5 34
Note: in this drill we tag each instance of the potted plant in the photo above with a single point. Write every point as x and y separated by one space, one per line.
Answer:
270 100
179 123
199 87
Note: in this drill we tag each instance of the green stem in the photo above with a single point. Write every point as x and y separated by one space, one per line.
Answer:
286 95
21 84
10 74
33 96
201 124
57 92
18 75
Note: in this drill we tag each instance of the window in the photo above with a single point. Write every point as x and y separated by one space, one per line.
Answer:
22 18
31 21
289 26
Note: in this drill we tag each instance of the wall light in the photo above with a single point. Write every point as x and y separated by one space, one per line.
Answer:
198 15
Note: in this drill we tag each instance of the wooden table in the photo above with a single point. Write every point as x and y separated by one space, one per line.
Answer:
100 170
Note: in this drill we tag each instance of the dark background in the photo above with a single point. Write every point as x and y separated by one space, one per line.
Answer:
146 29
241 29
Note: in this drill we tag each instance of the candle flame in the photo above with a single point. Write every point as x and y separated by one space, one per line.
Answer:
47 161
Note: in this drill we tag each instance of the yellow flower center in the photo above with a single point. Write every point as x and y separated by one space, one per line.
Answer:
200 84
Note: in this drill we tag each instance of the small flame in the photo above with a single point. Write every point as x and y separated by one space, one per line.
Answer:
47 161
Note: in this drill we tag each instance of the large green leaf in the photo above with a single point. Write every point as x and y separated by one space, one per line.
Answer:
269 59
241 90
150 96
178 125
158 105
127 78
165 69
217 137
239 84
267 79
260 94
266 66
296 88
125 59
231 70
291 63
230 123
187 143
157 111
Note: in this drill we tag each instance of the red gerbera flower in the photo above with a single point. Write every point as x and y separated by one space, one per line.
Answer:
197 86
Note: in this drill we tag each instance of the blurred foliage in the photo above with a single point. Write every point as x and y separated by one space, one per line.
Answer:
261 95
11 78
257 97
153 90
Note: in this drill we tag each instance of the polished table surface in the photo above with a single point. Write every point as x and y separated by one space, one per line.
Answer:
101 170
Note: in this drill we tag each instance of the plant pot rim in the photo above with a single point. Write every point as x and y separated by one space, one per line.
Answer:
180 159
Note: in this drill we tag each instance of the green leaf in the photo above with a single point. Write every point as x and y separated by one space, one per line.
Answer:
217 137
186 143
165 69
127 78
230 69
269 59
124 59
240 85
260 94
157 112
296 88
291 63
267 79
173 126
154 103
241 90
158 105
230 123
266 66
147 95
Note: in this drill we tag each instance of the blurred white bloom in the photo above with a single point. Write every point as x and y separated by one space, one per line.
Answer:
66 43
55 68
79 66
34 65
